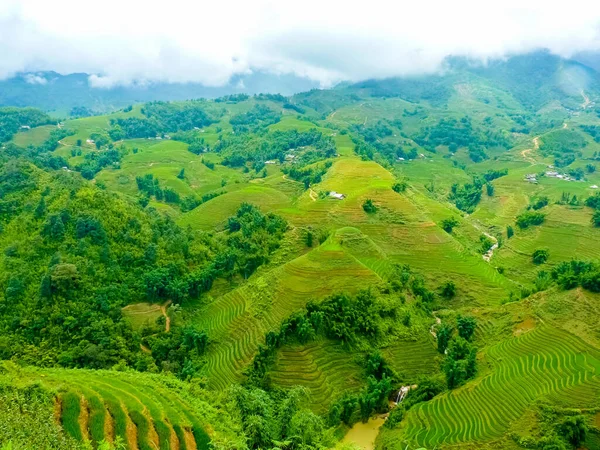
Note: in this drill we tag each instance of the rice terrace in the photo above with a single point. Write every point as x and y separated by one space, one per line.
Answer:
395 264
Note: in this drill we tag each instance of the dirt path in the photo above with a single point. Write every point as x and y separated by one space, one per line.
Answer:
332 115
565 126
145 349
487 256
163 310
438 321
313 195
525 153
586 100
84 418
109 427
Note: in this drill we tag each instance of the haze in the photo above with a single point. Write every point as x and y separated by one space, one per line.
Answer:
121 43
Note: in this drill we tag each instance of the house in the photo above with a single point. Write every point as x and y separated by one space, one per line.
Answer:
25 127
290 157
551 173
90 141
271 162
594 186
400 159
531 177
337 195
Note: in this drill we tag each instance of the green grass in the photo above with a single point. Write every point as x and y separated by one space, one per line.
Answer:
164 160
142 314
214 213
541 363
70 412
35 136
97 418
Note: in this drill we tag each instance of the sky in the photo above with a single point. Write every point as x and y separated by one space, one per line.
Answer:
120 42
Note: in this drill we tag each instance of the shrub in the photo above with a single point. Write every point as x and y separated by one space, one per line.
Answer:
369 206
449 289
400 186
466 326
539 203
540 256
509 232
449 224
528 219
596 218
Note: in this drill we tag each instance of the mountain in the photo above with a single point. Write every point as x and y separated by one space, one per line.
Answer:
412 262
58 93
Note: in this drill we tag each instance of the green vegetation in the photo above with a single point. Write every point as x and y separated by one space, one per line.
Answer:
529 219
268 271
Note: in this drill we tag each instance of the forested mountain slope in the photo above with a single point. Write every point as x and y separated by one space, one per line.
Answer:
270 271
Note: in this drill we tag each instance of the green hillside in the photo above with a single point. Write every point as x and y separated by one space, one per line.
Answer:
269 272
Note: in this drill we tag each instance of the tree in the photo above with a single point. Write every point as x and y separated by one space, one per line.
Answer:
181 174
466 326
309 238
489 188
78 143
530 218
509 232
540 256
369 206
400 186
449 224
590 168
449 289
460 363
486 243
574 429
40 210
443 336
596 218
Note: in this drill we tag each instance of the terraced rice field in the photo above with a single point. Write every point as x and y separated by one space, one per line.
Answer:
323 367
412 359
143 412
237 322
543 363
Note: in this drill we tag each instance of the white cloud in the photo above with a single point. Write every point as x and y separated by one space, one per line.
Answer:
135 41
31 78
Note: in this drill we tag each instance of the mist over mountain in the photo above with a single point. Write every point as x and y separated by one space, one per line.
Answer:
532 78
58 93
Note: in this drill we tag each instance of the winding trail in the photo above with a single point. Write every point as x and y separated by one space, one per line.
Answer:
487 256
525 153
313 195
438 321
586 100
163 310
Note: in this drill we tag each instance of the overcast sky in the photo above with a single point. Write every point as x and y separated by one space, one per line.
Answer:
124 41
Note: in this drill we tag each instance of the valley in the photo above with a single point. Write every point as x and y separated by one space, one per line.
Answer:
266 272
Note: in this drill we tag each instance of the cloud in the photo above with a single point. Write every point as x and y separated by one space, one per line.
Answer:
31 78
136 42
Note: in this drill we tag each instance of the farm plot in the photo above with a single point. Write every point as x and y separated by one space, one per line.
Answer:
237 322
543 362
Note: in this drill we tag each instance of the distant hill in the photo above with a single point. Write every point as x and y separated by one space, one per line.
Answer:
534 80
58 93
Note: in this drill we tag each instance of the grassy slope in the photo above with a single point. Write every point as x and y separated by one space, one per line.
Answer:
361 249
144 410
